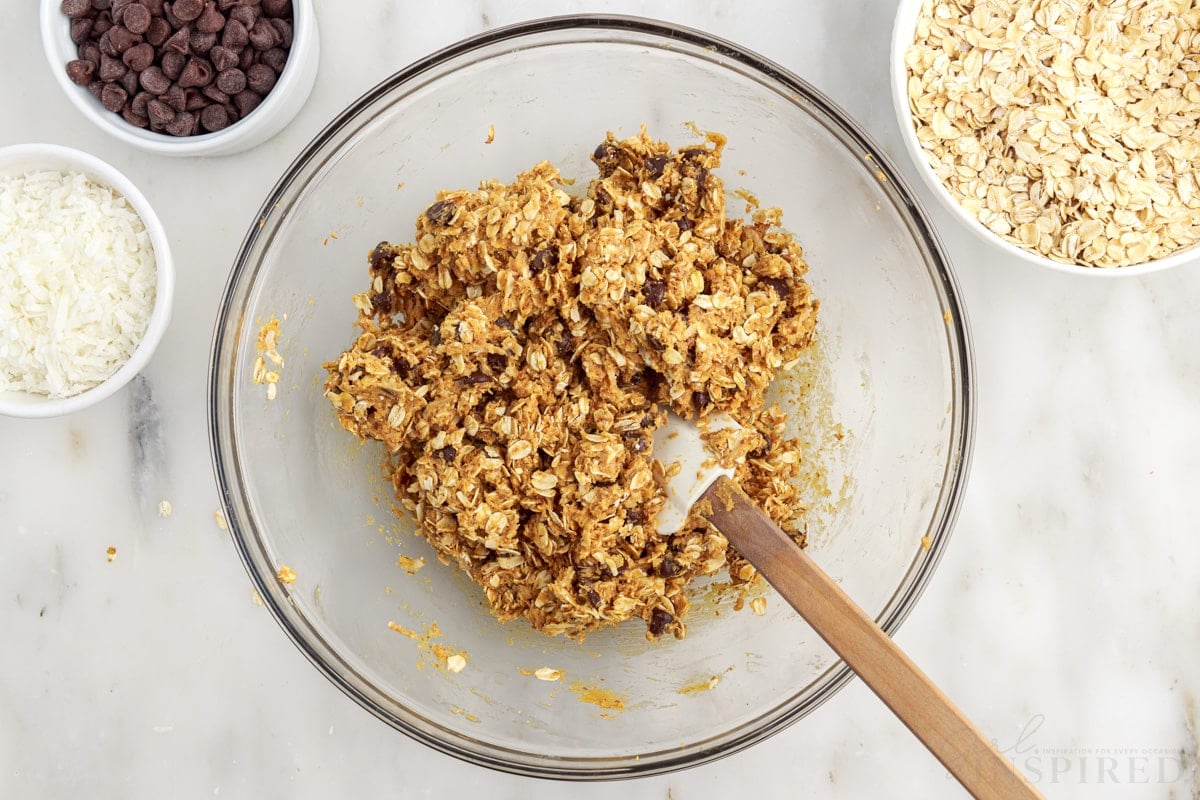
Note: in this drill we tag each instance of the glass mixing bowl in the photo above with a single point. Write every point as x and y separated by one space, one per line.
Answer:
884 402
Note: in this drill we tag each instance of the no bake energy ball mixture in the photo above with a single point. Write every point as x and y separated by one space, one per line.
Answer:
517 356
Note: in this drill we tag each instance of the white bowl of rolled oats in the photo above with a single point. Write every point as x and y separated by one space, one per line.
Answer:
1065 134
456 322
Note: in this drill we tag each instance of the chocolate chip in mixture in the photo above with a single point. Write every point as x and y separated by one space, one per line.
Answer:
780 285
441 212
277 8
184 124
654 291
246 101
198 72
659 620
111 69
172 64
223 58
80 29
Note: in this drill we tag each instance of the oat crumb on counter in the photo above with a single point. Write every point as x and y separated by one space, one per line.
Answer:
517 355
286 575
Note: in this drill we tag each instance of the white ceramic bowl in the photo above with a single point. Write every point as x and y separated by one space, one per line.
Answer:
278 108
24 158
903 34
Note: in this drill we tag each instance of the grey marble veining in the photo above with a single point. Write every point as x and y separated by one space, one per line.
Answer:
1064 617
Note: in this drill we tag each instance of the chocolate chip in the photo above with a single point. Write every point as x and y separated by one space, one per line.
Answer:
606 157
655 165
201 42
277 8
659 620
101 5
635 516
436 337
246 101
155 7
286 32
106 44
654 291
122 39
198 72
129 82
497 362
138 105
701 400
446 454
113 97
684 224
194 100
275 58
102 25
474 379
180 41
381 256
780 285
76 8
543 259
175 97
136 120
158 32
247 58
668 568
139 57
246 15
263 35
136 18
235 36
183 125
505 323
154 80
80 29
111 69
216 95
96 88
214 118
88 51
593 597
80 72
655 343
565 346
231 81
260 78
211 21
223 58
172 64
441 212
187 10
160 113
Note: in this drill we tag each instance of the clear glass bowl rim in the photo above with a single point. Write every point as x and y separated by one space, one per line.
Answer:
231 319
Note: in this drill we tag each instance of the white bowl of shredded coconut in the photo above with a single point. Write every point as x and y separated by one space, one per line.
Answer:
86 280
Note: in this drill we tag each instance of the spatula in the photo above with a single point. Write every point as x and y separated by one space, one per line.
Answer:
961 747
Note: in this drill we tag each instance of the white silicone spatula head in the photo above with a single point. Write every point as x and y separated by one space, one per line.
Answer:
679 441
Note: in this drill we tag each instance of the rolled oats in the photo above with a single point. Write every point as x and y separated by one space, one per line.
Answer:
517 356
1066 127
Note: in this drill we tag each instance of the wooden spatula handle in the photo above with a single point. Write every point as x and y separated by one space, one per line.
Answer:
923 707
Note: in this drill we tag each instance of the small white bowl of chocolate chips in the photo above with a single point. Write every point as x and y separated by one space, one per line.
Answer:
184 77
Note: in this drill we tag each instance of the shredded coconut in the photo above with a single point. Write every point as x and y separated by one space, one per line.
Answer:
77 282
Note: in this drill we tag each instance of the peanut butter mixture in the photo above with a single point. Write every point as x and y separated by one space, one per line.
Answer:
517 356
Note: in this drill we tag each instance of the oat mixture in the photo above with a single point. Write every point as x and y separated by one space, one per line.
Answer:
516 358
1071 129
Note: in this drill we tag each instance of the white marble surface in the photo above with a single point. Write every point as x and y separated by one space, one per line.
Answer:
1065 617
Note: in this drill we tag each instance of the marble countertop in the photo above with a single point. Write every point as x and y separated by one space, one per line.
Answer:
1064 618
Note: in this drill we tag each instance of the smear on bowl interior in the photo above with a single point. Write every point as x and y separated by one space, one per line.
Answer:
516 356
